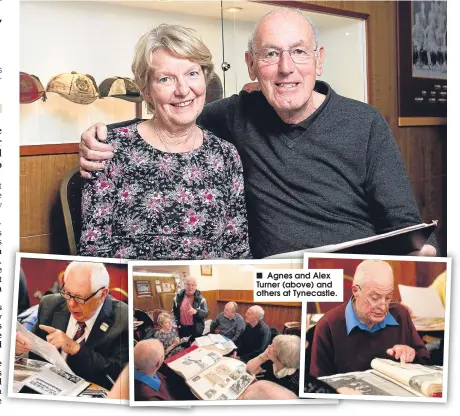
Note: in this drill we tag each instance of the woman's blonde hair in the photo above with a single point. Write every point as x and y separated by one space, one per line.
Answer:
287 348
179 40
162 318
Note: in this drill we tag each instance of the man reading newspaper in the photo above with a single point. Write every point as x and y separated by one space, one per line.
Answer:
87 326
351 335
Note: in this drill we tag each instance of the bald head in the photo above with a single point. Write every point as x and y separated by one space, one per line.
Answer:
230 310
373 271
190 285
274 17
254 314
267 390
148 356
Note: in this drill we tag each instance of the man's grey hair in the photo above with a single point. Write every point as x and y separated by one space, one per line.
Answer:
266 390
99 274
148 355
287 348
234 306
259 311
312 25
368 270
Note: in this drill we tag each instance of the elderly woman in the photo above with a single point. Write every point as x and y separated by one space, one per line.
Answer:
172 190
280 362
167 335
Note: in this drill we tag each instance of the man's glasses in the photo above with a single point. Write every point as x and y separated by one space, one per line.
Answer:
376 300
77 299
298 54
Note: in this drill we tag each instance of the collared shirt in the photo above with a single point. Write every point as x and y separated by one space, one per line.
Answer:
352 320
231 328
72 327
153 382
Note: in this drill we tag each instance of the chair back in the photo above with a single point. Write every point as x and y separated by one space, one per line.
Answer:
71 192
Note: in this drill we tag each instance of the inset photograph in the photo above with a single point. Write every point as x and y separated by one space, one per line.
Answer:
199 337
69 329
388 339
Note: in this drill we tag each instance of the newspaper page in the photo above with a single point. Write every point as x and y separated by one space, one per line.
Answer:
218 340
194 363
42 348
56 382
426 380
26 367
368 383
226 380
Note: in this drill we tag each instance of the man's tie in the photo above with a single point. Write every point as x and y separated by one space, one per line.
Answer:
79 336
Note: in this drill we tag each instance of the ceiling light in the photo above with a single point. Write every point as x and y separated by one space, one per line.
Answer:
233 9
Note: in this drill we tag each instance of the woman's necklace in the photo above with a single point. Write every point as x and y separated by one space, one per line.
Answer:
174 143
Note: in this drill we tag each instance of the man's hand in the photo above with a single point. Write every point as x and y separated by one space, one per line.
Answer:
60 340
402 352
192 311
348 390
426 251
21 345
92 150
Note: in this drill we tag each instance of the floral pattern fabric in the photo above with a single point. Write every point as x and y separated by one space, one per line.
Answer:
167 338
149 204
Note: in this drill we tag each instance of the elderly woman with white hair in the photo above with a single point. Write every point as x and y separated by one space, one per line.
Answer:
280 362
172 190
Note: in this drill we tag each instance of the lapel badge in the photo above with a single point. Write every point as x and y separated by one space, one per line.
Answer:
104 327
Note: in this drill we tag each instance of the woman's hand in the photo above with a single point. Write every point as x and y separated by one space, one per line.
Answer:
266 354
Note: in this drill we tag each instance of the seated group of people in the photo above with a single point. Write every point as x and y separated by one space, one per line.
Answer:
279 363
277 360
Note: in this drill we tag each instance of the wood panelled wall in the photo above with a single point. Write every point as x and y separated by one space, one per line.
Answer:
42 227
150 303
423 149
409 273
276 314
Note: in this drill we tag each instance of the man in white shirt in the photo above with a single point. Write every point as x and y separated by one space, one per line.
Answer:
89 327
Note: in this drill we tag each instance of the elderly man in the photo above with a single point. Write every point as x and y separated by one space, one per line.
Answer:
190 310
319 168
229 323
256 336
88 326
148 383
351 335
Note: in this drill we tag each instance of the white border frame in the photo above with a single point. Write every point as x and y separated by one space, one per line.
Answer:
11 394
442 399
199 403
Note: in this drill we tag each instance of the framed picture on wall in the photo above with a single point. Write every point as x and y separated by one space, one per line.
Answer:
206 270
143 288
422 63
166 287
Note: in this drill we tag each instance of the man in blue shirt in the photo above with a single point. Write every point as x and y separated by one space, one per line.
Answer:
148 383
368 326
